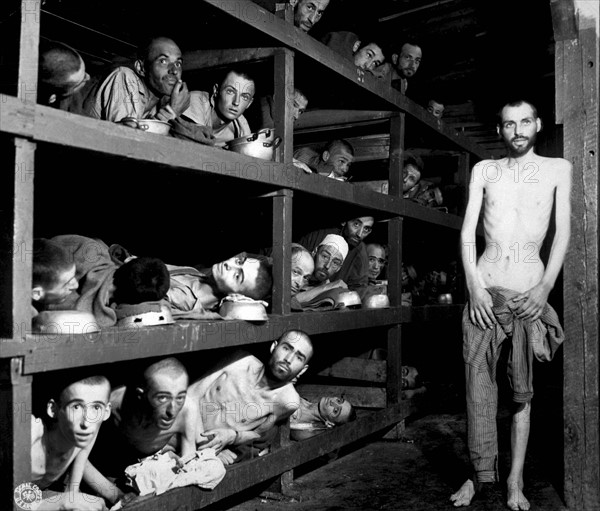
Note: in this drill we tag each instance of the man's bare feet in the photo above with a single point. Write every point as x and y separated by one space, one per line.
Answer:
516 499
464 495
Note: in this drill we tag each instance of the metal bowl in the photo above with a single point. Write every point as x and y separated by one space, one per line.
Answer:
148 125
261 144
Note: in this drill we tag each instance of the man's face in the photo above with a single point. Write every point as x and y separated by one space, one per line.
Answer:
368 57
64 286
165 395
436 109
299 106
356 230
410 176
81 411
377 260
409 60
340 159
328 261
519 128
409 377
289 357
308 12
303 266
335 409
236 275
234 96
162 67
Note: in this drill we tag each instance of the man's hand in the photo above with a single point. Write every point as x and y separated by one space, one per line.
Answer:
534 300
227 457
303 166
180 98
221 437
480 308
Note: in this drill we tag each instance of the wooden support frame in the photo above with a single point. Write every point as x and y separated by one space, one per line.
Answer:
282 240
576 61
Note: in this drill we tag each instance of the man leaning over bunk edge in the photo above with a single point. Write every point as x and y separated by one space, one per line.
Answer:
307 13
242 400
152 89
508 290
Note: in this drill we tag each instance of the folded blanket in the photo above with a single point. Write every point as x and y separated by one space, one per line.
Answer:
94 271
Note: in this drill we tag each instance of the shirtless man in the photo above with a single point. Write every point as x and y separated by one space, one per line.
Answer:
242 398
62 440
517 193
144 419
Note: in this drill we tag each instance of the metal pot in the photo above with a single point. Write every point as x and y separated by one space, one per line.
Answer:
261 144
149 125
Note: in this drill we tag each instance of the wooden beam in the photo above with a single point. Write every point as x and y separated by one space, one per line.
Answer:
564 21
331 119
352 368
210 58
283 83
579 90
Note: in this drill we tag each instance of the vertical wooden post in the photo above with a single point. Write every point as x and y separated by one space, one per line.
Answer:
282 239
462 179
397 127
15 429
283 97
576 99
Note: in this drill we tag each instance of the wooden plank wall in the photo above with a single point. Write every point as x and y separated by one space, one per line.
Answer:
576 108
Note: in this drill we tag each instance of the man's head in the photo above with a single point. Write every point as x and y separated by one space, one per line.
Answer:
300 104
53 275
367 56
80 409
329 257
303 266
518 126
411 172
435 108
162 392
339 154
308 12
233 94
160 64
142 279
377 259
410 378
290 356
244 275
356 230
408 60
336 410
61 71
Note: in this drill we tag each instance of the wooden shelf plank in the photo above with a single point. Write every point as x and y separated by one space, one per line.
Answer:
52 352
249 473
49 125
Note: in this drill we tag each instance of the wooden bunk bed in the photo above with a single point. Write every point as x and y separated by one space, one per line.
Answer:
26 127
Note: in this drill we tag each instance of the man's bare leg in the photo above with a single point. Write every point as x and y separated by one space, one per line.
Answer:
464 495
518 443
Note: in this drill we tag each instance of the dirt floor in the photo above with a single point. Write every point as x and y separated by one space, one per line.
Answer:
421 470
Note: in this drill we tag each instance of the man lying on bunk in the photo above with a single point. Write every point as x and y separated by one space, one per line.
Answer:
303 266
152 89
53 275
355 270
366 55
216 118
63 435
146 414
197 291
313 418
242 400
329 257
334 161
63 80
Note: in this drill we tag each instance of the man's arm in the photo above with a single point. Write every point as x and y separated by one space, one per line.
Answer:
480 301
535 299
101 485
306 296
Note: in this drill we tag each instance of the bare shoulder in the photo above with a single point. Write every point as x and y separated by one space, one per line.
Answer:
289 398
487 170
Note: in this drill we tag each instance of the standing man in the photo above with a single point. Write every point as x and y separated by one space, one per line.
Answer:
508 289
307 13
153 89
